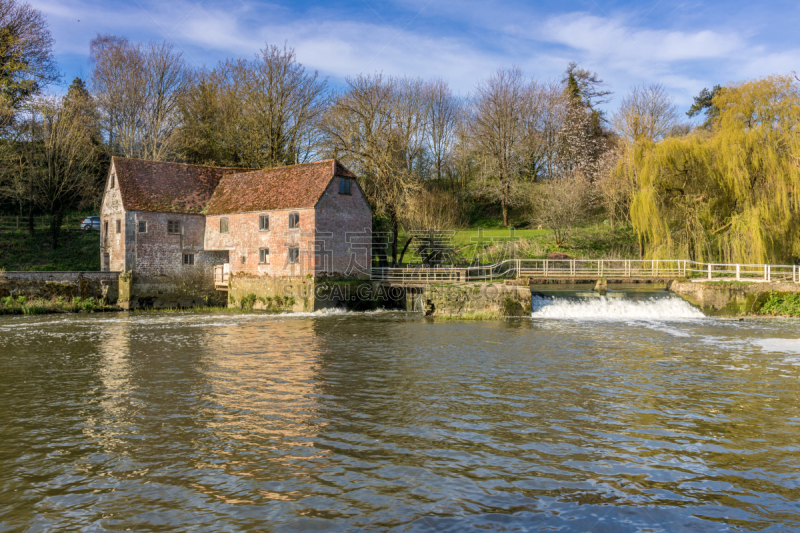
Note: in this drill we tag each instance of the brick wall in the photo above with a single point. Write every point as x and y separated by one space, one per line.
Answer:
344 232
50 285
245 239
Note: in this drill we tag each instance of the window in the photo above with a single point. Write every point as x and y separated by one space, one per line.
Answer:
263 223
105 228
188 259
294 220
112 182
263 256
119 226
294 254
142 226
244 259
223 225
173 226
344 185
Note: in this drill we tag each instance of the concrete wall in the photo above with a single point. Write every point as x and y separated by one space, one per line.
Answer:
49 285
244 239
479 300
729 298
344 233
311 294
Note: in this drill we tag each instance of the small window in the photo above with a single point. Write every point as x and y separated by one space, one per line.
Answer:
188 259
142 226
119 226
294 254
263 223
223 225
263 256
244 259
294 220
173 226
112 182
105 227
344 185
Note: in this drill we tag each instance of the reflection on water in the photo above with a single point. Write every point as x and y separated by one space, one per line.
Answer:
389 421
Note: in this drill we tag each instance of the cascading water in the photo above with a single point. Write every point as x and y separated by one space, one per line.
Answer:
603 308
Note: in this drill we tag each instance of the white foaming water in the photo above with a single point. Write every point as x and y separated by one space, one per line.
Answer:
668 308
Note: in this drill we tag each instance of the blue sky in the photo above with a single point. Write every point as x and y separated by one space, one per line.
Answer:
683 45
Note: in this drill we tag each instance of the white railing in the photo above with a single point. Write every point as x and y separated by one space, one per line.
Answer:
590 269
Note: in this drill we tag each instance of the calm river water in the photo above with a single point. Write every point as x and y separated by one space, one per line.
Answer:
593 415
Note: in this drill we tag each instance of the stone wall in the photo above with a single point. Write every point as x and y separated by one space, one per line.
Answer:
49 285
112 242
478 300
308 294
729 298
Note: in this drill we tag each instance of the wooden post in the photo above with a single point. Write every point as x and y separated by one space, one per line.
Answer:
709 271
769 273
738 276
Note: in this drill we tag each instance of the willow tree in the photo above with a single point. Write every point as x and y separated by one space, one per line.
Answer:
729 195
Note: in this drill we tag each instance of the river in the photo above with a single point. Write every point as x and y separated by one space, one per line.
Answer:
602 414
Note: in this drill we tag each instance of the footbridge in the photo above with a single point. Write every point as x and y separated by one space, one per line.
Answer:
588 270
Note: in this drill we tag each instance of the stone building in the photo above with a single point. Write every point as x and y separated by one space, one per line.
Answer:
292 221
170 224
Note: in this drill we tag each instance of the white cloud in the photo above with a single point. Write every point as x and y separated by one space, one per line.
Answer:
460 44
600 37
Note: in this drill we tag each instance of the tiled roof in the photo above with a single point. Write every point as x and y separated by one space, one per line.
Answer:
292 187
166 187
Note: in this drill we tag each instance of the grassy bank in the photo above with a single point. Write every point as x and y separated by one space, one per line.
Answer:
599 241
781 304
78 250
24 306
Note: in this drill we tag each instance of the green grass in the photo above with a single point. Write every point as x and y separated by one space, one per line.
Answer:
78 250
780 304
21 305
599 241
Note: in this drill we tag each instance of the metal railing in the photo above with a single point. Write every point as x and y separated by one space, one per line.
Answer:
590 269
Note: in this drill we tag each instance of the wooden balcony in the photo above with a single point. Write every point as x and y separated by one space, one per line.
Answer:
221 274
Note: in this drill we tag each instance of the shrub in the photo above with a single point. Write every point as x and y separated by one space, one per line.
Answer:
248 301
781 305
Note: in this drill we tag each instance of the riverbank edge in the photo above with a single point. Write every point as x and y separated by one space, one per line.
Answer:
734 299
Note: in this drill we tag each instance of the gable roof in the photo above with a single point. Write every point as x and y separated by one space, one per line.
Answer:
166 187
291 187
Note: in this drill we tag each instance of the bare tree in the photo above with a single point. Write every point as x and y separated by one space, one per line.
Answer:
444 112
374 126
646 112
26 57
138 89
500 126
56 156
257 114
562 205
614 187
410 125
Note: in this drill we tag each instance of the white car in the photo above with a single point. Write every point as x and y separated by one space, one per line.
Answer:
91 223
